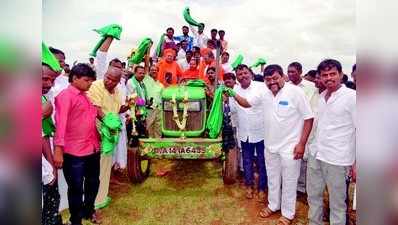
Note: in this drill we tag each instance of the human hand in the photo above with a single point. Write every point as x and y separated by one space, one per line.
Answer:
298 152
230 92
55 173
47 109
58 157
124 108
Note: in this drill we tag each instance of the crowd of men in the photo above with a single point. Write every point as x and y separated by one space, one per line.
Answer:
298 130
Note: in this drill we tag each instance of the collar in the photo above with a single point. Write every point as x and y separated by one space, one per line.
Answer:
74 90
334 94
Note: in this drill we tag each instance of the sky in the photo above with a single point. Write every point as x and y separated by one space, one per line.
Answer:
281 32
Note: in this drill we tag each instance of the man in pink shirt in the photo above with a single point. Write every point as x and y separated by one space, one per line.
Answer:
77 143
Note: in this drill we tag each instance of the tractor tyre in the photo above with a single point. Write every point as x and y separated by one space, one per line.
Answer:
230 166
138 167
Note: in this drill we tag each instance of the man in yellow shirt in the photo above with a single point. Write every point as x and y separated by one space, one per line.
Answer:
105 95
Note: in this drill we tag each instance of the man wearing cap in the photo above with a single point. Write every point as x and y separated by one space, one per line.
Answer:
51 197
105 95
61 81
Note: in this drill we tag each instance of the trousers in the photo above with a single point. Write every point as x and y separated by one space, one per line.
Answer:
82 176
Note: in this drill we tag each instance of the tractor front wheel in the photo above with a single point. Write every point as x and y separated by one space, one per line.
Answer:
230 166
138 167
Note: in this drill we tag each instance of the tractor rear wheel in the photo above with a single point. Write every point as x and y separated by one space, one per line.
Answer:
138 167
230 166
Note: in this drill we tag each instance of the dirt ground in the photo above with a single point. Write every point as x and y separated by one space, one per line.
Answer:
188 193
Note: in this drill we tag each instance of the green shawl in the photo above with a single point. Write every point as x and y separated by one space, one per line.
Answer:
110 128
47 124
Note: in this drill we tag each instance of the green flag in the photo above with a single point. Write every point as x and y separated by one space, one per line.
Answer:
112 30
49 59
188 18
238 60
215 119
260 61
160 46
141 51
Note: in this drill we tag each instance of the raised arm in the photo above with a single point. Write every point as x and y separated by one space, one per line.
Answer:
194 31
101 57
107 43
146 60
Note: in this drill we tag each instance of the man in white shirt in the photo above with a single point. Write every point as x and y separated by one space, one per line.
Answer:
224 62
334 153
288 121
294 72
199 38
184 63
250 130
288 124
91 63
181 50
62 78
101 59
61 82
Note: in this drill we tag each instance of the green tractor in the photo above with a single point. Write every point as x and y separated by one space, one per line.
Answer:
184 113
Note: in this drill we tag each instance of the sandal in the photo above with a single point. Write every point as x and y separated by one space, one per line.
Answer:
95 218
249 192
261 197
266 212
284 221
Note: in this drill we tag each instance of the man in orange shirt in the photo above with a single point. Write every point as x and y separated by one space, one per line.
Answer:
207 61
169 66
192 73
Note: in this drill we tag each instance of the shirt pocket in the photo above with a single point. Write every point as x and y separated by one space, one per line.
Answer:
284 109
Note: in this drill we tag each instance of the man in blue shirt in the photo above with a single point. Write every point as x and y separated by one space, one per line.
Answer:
186 37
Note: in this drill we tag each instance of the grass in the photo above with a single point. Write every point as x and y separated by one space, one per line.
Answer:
191 193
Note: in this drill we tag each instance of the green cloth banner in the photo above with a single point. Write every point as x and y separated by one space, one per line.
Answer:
214 122
110 128
238 60
188 18
141 51
49 59
112 30
160 46
47 124
260 61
